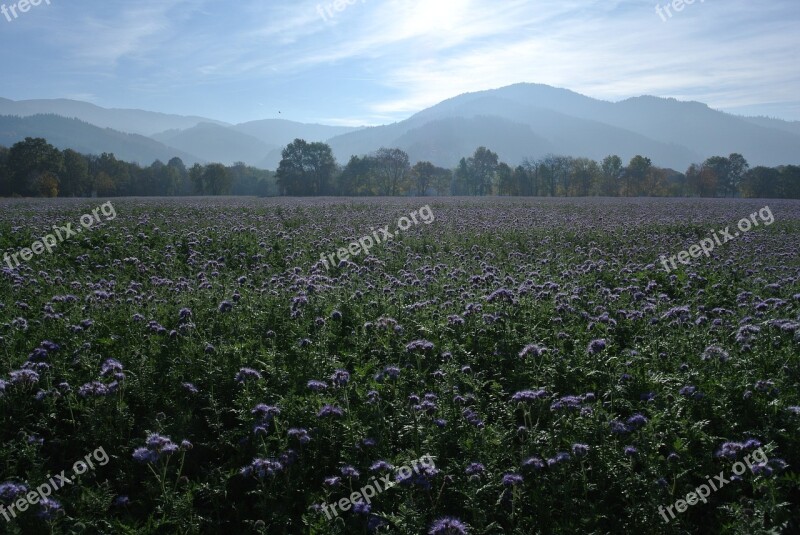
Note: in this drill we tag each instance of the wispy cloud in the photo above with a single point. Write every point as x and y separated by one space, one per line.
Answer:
383 60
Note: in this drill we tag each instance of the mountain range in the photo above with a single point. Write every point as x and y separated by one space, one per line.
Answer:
518 121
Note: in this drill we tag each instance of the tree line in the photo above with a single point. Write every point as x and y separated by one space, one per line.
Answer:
34 168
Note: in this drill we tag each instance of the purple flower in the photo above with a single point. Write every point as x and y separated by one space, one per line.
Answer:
712 352
730 450
580 450
48 509
534 463
510 480
529 395
619 428
448 526
637 421
392 372
330 411
225 306
569 403
247 373
317 386
265 412
630 451
189 387
350 472
340 378
419 345
24 377
475 469
533 350
378 466
95 388
561 457
145 455
10 490
109 367
596 346
361 508
261 468
300 434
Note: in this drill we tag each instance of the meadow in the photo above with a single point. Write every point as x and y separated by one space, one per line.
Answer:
536 351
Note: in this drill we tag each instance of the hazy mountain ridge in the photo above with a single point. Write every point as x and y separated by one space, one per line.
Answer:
86 138
216 143
145 123
672 133
518 121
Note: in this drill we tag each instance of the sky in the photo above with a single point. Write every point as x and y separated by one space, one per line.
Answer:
380 61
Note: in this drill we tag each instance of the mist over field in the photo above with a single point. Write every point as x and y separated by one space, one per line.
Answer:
399 267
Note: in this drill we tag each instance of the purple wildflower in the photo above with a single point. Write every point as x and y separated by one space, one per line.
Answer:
596 346
534 463
261 468
529 395
300 434
419 345
247 373
637 421
448 526
330 411
317 386
24 377
534 350
350 472
340 378
49 509
580 450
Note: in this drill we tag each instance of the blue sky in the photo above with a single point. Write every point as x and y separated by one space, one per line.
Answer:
380 61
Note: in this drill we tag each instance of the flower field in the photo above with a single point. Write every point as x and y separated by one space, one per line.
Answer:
560 380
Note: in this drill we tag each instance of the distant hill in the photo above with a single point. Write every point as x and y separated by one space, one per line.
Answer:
88 139
141 122
793 127
217 144
672 133
518 121
257 143
278 131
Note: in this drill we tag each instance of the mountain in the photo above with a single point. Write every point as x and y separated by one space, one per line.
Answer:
141 122
217 144
85 138
672 133
257 143
793 127
278 131
517 121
